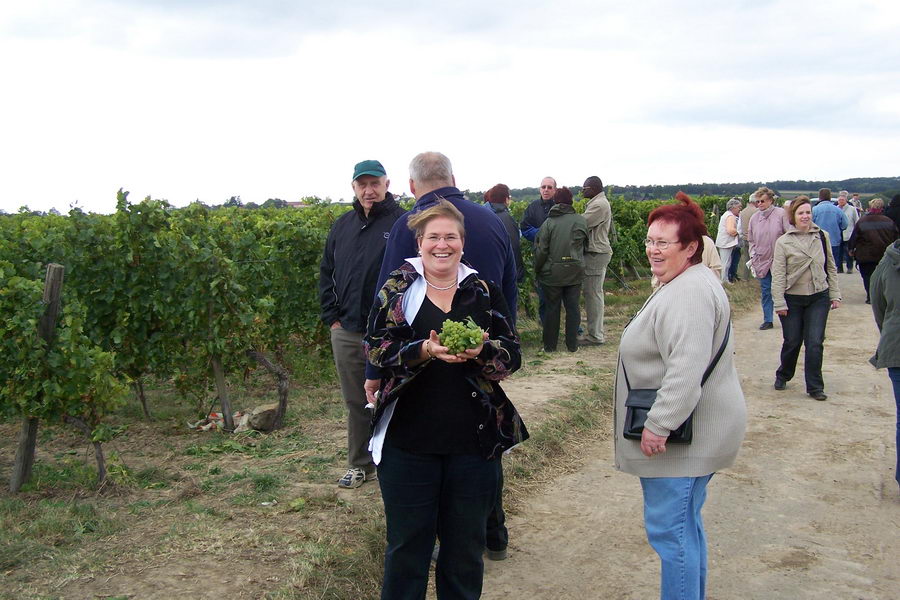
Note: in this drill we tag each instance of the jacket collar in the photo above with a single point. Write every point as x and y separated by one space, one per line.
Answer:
378 209
434 195
813 228
561 209
464 269
892 254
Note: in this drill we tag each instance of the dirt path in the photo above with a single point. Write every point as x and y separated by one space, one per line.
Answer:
810 509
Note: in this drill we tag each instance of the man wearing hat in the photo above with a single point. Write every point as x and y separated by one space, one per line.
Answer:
347 277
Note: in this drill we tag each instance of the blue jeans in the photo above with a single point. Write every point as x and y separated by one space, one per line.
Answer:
894 374
845 258
804 325
448 495
765 289
735 261
675 531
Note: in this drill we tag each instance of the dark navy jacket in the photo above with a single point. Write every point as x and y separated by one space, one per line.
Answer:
535 215
487 247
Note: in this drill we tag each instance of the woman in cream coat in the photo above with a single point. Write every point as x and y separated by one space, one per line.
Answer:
804 289
668 346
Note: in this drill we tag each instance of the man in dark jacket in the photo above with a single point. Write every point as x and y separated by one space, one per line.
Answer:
487 249
893 210
497 199
537 211
347 278
535 215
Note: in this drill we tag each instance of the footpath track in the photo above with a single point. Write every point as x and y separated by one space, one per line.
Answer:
810 509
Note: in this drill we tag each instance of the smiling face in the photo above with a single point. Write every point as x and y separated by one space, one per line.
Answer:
668 263
441 246
803 217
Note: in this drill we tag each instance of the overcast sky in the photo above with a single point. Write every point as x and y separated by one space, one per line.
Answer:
206 99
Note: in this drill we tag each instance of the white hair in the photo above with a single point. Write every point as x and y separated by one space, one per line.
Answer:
432 168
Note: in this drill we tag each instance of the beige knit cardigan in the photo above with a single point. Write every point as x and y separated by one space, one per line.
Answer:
668 345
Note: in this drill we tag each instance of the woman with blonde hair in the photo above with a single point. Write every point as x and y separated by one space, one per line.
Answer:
441 419
873 233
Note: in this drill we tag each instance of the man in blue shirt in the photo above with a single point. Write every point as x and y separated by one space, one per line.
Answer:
829 217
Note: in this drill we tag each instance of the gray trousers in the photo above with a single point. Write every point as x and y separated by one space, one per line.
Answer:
595 264
350 362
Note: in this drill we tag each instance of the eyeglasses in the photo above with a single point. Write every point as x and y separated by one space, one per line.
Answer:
546 187
661 244
435 238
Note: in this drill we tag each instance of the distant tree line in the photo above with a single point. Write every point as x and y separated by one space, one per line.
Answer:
883 186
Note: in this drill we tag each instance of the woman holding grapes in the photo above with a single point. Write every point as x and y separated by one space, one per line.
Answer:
441 420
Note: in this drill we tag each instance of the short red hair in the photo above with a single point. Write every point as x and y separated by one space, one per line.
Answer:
689 218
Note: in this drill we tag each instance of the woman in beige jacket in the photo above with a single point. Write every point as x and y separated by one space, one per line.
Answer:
804 289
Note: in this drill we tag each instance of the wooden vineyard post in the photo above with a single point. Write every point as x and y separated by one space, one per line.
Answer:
46 329
219 377
222 390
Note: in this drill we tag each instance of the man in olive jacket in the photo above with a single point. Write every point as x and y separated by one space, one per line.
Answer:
559 266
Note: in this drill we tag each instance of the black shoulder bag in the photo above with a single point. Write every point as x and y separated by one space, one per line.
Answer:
639 402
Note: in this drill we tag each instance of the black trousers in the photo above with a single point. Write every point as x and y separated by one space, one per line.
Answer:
497 536
804 325
429 495
866 269
557 296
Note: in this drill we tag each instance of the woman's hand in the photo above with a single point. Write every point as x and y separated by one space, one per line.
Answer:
473 352
781 313
433 349
652 444
835 304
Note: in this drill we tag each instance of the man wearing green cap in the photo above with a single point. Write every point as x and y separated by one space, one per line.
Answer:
347 277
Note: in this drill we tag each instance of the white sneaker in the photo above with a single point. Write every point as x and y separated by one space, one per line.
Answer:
355 477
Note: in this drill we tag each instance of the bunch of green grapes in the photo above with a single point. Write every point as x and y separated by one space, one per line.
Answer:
457 336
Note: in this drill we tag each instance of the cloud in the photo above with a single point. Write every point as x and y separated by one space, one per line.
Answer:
209 99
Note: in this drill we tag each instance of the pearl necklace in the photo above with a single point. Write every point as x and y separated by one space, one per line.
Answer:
443 289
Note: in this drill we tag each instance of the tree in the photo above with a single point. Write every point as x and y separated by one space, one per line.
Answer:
274 203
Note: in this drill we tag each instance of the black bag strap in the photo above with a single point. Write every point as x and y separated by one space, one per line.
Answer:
709 369
824 252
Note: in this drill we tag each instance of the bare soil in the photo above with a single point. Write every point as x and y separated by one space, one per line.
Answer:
810 509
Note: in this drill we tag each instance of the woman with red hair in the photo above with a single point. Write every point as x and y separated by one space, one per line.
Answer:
678 346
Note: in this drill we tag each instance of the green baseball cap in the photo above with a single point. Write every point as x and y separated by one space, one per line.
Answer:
368 167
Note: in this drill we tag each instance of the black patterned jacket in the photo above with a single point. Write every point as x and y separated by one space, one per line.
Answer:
391 345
